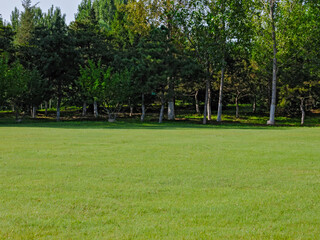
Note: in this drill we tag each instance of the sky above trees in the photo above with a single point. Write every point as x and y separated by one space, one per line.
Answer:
68 7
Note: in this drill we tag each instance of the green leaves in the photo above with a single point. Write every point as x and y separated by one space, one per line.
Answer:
92 80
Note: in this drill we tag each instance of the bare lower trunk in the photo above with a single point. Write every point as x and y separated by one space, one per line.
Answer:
161 113
58 108
171 111
84 109
46 108
220 96
34 112
95 109
204 121
274 70
50 104
162 109
254 105
209 104
130 108
131 111
197 102
237 108
171 115
303 113
143 108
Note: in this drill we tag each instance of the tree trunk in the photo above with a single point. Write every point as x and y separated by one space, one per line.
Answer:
34 112
84 109
197 102
209 103
143 108
220 96
50 104
46 108
171 115
131 111
237 108
303 113
162 108
254 105
204 121
95 108
130 108
58 108
274 70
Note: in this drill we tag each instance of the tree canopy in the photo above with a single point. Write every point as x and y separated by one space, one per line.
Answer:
208 53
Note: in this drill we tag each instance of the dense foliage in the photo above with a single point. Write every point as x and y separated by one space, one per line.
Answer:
208 53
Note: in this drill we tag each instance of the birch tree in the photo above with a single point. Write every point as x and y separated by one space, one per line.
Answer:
210 27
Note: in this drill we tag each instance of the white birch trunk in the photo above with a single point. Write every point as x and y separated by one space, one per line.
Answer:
204 121
131 111
95 109
58 108
161 113
237 108
209 104
34 112
219 116
271 120
171 115
197 102
303 113
143 108
254 105
162 109
130 108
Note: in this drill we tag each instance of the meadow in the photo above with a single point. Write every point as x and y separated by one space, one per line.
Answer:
99 180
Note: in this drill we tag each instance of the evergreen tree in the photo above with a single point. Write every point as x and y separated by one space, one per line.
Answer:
56 56
26 26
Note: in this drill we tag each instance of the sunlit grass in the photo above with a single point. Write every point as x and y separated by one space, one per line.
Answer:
95 180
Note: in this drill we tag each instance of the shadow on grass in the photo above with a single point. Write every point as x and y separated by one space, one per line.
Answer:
73 121
136 124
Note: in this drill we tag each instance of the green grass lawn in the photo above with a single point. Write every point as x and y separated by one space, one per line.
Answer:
96 180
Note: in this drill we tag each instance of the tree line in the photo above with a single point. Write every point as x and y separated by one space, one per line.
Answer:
120 53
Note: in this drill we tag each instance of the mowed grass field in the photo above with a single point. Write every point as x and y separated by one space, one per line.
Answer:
90 180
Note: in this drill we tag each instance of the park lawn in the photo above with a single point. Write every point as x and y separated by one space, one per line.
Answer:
96 180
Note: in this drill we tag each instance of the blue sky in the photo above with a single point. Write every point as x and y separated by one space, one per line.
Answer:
68 7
